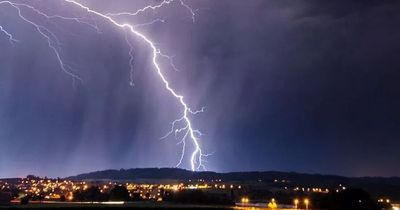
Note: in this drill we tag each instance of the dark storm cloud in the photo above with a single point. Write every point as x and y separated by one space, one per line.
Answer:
288 85
306 86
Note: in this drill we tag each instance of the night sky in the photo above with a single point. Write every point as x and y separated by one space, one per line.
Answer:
308 86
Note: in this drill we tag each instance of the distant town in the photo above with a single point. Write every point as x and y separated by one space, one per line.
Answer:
225 193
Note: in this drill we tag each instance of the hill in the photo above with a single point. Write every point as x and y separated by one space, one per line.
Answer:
375 185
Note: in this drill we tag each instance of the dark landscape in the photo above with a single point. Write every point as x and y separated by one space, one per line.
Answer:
179 188
375 185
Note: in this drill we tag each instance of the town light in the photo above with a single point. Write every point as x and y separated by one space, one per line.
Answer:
306 202
272 204
296 203
245 200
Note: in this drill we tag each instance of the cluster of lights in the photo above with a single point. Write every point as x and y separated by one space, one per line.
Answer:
382 200
54 189
4 185
272 204
49 188
245 200
313 189
150 191
296 203
282 181
319 189
340 188
203 180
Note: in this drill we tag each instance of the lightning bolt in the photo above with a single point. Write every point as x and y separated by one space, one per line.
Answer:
51 39
192 11
9 35
149 23
149 7
131 76
181 125
154 8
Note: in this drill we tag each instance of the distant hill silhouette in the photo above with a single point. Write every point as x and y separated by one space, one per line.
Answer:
182 174
375 185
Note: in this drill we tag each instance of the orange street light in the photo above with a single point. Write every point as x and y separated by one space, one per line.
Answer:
244 200
296 203
306 202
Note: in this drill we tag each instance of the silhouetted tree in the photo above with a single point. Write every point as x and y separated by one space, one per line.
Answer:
354 199
62 198
136 197
91 194
196 196
32 177
25 200
119 193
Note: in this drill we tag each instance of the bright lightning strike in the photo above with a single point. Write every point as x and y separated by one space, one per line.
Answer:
178 126
131 82
9 35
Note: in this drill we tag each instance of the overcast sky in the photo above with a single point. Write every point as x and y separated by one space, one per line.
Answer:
304 86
